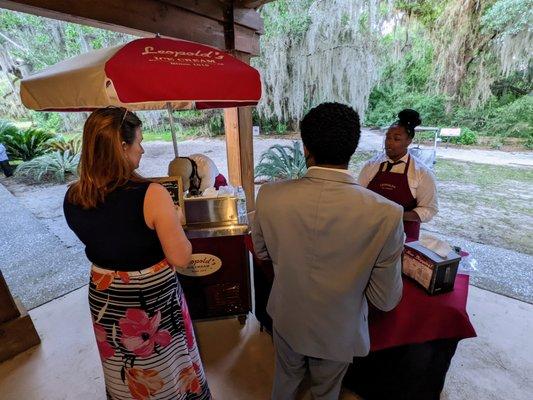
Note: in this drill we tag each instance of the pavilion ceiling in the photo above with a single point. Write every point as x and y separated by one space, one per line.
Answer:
226 24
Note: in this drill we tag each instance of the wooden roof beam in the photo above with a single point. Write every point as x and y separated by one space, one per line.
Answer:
251 3
246 17
147 17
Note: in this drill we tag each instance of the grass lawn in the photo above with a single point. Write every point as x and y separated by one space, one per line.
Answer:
181 134
162 135
482 203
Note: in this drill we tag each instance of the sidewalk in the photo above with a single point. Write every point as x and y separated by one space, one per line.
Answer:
36 265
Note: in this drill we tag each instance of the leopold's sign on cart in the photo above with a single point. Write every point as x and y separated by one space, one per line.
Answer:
201 265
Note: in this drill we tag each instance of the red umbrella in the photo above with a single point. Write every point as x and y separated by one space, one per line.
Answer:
145 74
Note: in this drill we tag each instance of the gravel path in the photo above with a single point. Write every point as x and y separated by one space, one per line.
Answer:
371 140
499 270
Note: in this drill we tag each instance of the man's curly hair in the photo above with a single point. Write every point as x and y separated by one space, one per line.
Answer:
331 133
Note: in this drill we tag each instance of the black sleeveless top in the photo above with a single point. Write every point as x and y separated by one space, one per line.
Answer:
114 233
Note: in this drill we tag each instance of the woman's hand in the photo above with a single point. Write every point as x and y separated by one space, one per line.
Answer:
411 216
161 214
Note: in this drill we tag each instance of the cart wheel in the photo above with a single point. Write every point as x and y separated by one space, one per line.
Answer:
242 319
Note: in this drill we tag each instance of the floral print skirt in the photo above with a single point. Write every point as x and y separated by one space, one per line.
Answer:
144 334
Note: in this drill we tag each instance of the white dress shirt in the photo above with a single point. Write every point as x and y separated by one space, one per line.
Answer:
421 182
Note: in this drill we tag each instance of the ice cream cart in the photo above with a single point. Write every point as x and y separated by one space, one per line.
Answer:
162 73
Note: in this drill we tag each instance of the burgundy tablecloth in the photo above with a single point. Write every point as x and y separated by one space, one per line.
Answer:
418 318
421 318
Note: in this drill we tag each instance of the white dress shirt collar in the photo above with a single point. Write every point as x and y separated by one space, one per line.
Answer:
403 159
332 169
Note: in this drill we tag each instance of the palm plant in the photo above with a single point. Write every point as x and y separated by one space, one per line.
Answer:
28 144
73 145
7 128
281 162
51 167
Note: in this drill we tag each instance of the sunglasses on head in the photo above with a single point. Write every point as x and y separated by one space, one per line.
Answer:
123 118
125 110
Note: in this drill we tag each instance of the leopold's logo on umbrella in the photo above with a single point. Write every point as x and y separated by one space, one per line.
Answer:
201 265
197 58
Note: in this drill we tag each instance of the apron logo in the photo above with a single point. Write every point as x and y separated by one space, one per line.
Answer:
201 265
387 186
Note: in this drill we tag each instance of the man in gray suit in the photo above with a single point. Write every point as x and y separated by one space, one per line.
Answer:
334 245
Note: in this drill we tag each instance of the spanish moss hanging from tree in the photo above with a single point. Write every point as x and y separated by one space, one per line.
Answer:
318 51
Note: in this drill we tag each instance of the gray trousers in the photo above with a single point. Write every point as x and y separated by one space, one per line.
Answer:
291 367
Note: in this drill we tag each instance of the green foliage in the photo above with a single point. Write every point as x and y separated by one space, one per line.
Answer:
216 125
407 83
190 117
404 82
508 16
281 162
426 11
72 145
467 137
281 128
386 103
49 121
30 43
7 129
514 119
269 125
43 42
286 22
27 144
52 167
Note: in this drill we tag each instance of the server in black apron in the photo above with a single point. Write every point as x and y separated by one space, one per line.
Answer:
402 178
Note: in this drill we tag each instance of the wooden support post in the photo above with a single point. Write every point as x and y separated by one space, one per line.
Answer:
17 332
238 123
8 308
240 151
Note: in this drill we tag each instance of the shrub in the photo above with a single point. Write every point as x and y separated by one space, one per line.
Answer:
499 118
514 119
28 144
384 105
467 137
216 125
72 145
48 121
51 167
281 128
268 125
7 129
281 162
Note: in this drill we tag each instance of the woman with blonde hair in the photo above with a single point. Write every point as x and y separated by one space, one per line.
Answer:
134 240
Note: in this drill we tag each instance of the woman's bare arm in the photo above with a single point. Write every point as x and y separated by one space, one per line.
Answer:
161 215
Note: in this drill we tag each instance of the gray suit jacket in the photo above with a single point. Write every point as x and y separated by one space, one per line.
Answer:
333 244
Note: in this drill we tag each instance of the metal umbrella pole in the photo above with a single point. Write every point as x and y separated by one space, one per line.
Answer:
172 130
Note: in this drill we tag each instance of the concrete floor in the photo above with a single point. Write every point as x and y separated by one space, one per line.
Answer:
239 360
